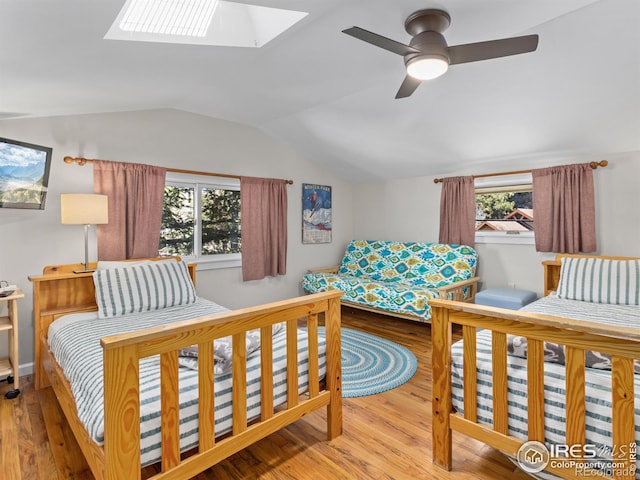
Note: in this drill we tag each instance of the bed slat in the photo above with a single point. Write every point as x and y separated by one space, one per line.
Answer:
499 356
170 416
314 372
292 363
575 386
239 382
535 382
206 395
470 373
266 372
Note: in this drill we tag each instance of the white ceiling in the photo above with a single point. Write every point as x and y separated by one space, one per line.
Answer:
331 96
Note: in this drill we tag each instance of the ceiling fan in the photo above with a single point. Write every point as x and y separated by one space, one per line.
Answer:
428 56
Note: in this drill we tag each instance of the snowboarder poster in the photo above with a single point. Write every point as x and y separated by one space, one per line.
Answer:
316 213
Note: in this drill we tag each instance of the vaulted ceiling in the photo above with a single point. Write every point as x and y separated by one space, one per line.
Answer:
331 96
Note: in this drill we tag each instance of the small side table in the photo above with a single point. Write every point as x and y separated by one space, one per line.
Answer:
9 367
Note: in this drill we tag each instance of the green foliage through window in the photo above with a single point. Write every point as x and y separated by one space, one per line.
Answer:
200 218
220 221
494 206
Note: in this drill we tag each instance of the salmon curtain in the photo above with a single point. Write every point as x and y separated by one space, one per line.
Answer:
564 209
136 195
263 216
458 211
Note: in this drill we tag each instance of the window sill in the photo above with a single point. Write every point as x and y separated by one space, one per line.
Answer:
230 261
526 238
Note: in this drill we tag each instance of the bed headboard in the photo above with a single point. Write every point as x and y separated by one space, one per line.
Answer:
552 269
59 291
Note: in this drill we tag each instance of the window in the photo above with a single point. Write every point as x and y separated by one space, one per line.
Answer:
201 220
504 209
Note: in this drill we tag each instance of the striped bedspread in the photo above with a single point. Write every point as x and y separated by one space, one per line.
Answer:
75 343
598 382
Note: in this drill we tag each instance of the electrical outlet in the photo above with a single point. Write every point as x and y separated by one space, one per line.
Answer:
511 285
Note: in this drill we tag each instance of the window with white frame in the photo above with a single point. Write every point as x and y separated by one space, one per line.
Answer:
201 220
504 209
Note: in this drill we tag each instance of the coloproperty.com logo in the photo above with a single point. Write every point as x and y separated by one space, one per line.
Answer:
584 460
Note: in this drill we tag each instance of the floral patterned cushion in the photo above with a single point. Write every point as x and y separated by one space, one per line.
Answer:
394 276
430 264
389 296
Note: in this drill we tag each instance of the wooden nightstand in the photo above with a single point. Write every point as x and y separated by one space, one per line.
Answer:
9 367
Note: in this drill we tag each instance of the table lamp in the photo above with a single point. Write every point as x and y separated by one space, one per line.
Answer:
84 209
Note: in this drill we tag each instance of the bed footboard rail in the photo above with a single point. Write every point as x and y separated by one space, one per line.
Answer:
623 345
122 354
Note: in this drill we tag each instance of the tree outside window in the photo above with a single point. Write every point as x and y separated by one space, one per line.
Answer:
200 221
506 211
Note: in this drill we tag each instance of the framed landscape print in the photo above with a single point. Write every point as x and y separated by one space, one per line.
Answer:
316 213
24 174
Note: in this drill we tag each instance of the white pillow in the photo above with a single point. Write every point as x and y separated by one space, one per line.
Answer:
600 280
142 288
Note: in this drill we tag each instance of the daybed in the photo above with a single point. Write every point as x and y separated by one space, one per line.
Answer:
399 278
580 343
156 401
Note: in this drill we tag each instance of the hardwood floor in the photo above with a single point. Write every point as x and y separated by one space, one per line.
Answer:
386 436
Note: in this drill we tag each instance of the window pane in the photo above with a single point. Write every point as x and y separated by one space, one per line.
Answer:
220 221
505 211
176 235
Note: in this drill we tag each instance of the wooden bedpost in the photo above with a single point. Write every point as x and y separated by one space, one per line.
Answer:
441 373
334 372
122 412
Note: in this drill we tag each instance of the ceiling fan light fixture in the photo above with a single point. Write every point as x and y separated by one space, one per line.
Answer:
427 67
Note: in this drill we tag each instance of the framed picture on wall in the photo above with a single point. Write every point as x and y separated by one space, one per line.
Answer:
24 174
316 213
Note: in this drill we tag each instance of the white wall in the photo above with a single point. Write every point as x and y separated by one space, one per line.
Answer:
408 210
31 239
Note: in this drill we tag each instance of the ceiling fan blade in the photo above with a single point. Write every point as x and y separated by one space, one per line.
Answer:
473 52
408 86
380 41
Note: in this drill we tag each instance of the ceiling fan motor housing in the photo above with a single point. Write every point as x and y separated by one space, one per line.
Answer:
431 45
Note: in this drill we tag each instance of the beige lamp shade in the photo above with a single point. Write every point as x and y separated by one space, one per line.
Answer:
83 209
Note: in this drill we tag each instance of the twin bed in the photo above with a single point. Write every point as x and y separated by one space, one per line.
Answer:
145 371
559 372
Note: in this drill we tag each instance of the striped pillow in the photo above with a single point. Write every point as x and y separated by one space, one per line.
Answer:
599 280
142 288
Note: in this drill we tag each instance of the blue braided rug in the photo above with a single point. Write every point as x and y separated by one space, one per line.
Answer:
371 364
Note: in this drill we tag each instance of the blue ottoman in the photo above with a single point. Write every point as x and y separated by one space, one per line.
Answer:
511 298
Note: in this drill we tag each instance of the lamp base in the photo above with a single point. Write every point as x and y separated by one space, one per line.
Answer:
83 271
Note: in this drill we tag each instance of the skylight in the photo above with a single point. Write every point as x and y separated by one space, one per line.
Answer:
169 17
201 22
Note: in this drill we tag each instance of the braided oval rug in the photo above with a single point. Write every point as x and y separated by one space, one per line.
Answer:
371 364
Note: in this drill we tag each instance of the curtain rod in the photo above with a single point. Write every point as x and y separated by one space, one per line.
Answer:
593 165
84 161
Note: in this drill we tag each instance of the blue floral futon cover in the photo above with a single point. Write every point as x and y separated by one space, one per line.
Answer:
398 277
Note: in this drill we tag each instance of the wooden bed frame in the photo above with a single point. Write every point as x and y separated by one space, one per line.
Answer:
623 345
59 292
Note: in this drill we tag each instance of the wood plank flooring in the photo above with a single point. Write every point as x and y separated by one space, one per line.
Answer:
386 436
